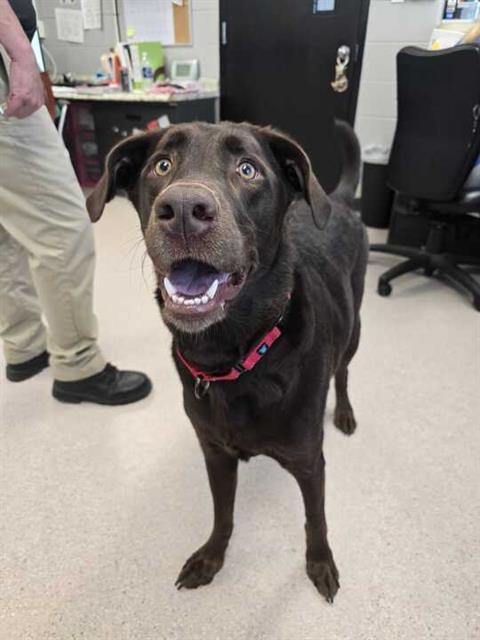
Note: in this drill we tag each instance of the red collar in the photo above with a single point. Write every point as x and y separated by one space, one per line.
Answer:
203 379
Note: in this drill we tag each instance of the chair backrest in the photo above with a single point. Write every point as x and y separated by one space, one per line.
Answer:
437 139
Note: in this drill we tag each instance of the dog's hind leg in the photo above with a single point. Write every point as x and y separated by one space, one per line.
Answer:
344 418
202 566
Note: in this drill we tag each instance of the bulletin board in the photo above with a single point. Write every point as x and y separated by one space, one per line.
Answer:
165 21
182 18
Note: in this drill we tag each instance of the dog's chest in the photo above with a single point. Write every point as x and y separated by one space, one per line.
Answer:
246 422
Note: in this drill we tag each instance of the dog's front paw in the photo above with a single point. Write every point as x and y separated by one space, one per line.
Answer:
344 420
324 575
200 568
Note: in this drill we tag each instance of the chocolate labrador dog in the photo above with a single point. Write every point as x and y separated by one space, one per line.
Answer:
260 280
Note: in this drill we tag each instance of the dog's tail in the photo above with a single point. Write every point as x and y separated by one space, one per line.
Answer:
351 162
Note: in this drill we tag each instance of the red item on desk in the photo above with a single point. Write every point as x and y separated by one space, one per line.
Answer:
116 69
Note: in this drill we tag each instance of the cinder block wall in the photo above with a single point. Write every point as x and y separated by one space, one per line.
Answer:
391 26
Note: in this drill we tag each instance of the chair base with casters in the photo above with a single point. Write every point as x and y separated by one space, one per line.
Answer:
431 258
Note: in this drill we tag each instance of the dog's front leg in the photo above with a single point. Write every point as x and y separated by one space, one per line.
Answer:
321 567
202 566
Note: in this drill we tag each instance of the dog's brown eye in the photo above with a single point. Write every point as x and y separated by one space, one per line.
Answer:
163 167
247 170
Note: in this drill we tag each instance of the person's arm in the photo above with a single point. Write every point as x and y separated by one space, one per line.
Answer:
473 35
26 89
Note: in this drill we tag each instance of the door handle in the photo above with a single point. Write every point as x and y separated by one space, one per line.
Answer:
340 84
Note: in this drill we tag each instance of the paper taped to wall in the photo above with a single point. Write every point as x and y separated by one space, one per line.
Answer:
69 25
92 14
149 20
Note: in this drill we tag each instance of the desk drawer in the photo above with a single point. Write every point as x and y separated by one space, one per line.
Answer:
80 140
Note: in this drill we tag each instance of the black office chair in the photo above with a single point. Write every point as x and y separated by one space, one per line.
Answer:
436 144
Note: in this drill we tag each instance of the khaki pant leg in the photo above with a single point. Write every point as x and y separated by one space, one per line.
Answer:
43 208
21 326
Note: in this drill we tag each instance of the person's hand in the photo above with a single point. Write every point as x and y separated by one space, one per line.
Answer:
26 89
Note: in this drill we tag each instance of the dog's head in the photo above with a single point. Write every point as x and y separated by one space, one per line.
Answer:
211 201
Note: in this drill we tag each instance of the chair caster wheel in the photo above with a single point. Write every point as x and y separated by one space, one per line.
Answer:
476 303
384 289
429 271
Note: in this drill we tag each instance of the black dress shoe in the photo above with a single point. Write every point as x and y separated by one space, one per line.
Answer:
27 369
110 386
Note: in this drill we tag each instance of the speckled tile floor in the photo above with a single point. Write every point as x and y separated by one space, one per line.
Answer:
100 506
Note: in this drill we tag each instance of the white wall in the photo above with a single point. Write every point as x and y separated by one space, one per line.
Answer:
84 59
391 26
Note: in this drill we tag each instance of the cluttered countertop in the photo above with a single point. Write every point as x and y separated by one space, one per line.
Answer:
104 93
136 72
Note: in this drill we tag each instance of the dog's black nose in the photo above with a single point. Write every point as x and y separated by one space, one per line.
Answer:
186 211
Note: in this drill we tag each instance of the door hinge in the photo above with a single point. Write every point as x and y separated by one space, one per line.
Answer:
224 32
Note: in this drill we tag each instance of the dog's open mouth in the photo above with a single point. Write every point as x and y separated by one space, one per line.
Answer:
197 288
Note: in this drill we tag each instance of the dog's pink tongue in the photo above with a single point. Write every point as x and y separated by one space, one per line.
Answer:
192 278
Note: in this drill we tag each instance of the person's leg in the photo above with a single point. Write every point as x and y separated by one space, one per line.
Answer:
42 207
21 328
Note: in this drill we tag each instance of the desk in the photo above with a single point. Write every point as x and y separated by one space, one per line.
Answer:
115 114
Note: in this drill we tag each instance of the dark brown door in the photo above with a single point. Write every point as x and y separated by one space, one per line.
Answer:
277 64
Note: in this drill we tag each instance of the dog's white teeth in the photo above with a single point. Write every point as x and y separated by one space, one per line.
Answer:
189 301
212 290
169 288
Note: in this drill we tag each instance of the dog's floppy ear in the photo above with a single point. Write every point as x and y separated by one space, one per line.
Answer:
122 169
299 174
